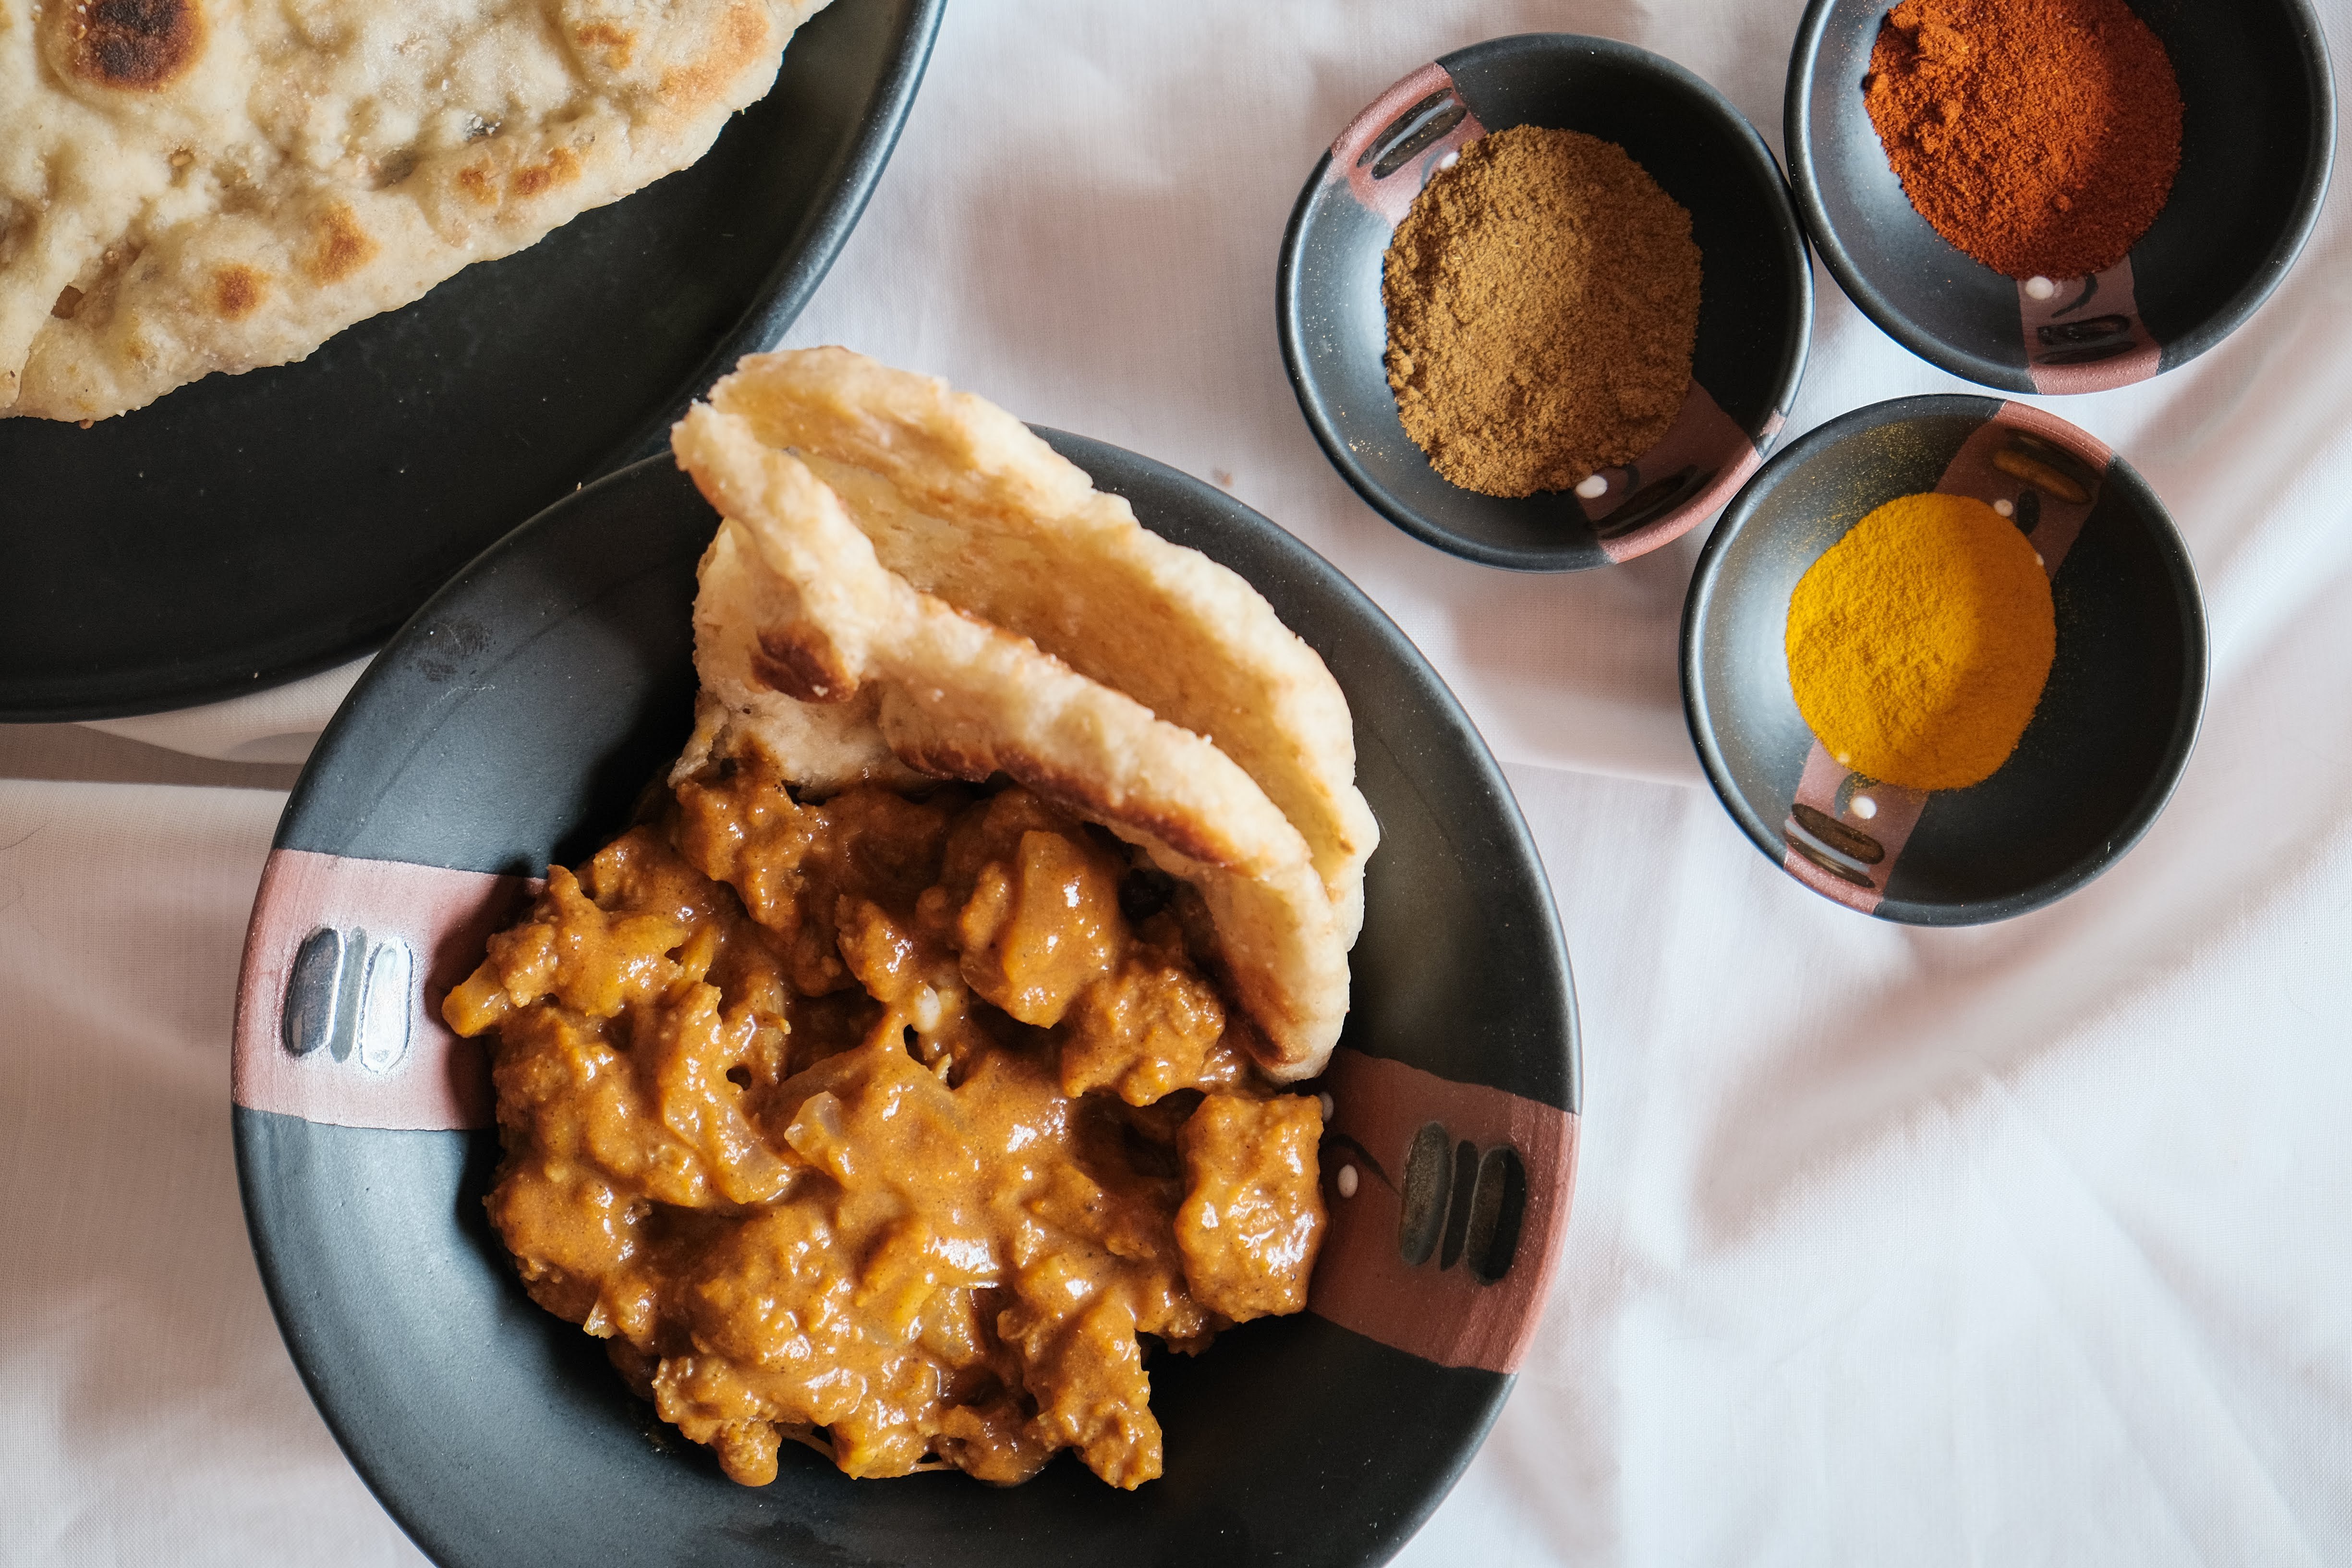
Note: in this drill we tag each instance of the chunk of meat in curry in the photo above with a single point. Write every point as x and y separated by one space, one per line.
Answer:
879 1124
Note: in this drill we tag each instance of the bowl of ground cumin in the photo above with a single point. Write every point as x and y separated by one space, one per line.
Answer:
1545 302
1944 659
2059 195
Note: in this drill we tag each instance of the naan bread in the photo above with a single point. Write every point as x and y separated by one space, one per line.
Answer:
197 185
808 644
965 502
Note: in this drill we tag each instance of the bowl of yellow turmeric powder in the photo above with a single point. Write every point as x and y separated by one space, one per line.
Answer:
1943 659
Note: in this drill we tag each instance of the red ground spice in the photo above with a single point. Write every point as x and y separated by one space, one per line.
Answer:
2038 136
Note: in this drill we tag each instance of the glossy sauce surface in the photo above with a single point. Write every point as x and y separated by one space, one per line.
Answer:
897 1127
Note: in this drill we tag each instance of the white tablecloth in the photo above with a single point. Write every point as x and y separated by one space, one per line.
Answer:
2018 1243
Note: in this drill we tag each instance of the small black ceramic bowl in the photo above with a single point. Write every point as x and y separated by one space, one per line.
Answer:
511 723
2116 719
2258 132
1756 306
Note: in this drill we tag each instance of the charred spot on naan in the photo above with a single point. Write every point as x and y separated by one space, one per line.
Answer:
91 298
17 221
236 291
804 664
479 183
560 167
139 45
742 37
339 247
383 174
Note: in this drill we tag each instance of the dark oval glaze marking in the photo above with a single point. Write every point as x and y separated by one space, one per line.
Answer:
1838 836
1457 1213
309 1020
1428 1175
1497 1208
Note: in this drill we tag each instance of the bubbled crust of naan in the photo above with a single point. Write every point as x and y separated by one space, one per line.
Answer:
197 185
798 594
967 503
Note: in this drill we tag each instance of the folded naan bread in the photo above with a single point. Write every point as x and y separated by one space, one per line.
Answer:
964 502
197 185
919 588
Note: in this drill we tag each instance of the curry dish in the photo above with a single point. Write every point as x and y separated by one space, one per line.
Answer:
894 1125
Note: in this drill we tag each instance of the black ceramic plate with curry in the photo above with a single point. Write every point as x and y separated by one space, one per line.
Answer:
512 725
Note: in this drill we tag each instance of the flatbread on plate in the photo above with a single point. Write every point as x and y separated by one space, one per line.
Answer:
197 185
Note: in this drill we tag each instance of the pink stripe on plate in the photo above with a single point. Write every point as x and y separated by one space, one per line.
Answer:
1704 442
1363 1280
1391 196
339 1001
2087 336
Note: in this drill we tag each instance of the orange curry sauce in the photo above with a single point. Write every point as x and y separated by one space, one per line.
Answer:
886 1125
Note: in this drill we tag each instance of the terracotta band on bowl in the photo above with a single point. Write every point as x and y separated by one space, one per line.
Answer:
1449 1304
339 1010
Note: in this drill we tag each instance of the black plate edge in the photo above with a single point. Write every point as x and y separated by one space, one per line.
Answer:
255 1198
2319 81
1289 330
313 776
2187 724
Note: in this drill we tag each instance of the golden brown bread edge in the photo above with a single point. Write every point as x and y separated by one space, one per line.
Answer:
966 502
807 643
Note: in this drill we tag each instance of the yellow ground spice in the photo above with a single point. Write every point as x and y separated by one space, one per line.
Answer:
1919 644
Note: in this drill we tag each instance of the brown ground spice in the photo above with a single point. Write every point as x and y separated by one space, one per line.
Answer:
2038 136
1542 300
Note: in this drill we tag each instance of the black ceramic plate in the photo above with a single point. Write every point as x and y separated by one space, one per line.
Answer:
248 529
2116 719
2257 136
1756 309
512 722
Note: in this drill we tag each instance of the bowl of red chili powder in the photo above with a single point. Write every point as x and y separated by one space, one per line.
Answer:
2059 195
